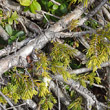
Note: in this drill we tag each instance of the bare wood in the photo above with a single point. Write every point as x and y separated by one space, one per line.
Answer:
40 42
10 103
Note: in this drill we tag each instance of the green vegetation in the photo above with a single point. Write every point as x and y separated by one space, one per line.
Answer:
26 82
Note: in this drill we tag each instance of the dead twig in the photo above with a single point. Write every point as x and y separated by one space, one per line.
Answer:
9 102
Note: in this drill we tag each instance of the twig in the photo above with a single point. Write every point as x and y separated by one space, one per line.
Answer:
31 104
3 106
77 54
10 5
90 98
7 100
2 83
96 85
17 106
37 16
45 17
92 13
72 34
97 73
74 15
57 3
44 12
83 42
30 77
84 70
11 48
31 25
106 12
59 105
89 28
97 21
53 87
107 5
40 41
100 18
23 26
80 71
105 22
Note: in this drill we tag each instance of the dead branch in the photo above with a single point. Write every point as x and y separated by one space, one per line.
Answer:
106 12
62 97
42 39
90 98
12 48
10 5
18 106
84 70
72 34
83 42
2 107
57 3
96 85
10 103
92 13
36 16
100 18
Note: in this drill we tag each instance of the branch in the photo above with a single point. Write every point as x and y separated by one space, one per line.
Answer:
44 12
92 13
89 28
84 42
36 16
57 3
10 5
101 18
90 98
80 71
12 48
106 12
41 40
53 88
3 107
72 34
84 70
30 25
77 54
7 100
19 106
96 85
59 104
31 104
107 7
74 15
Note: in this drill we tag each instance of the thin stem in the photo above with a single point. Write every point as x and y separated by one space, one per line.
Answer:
59 105
9 102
